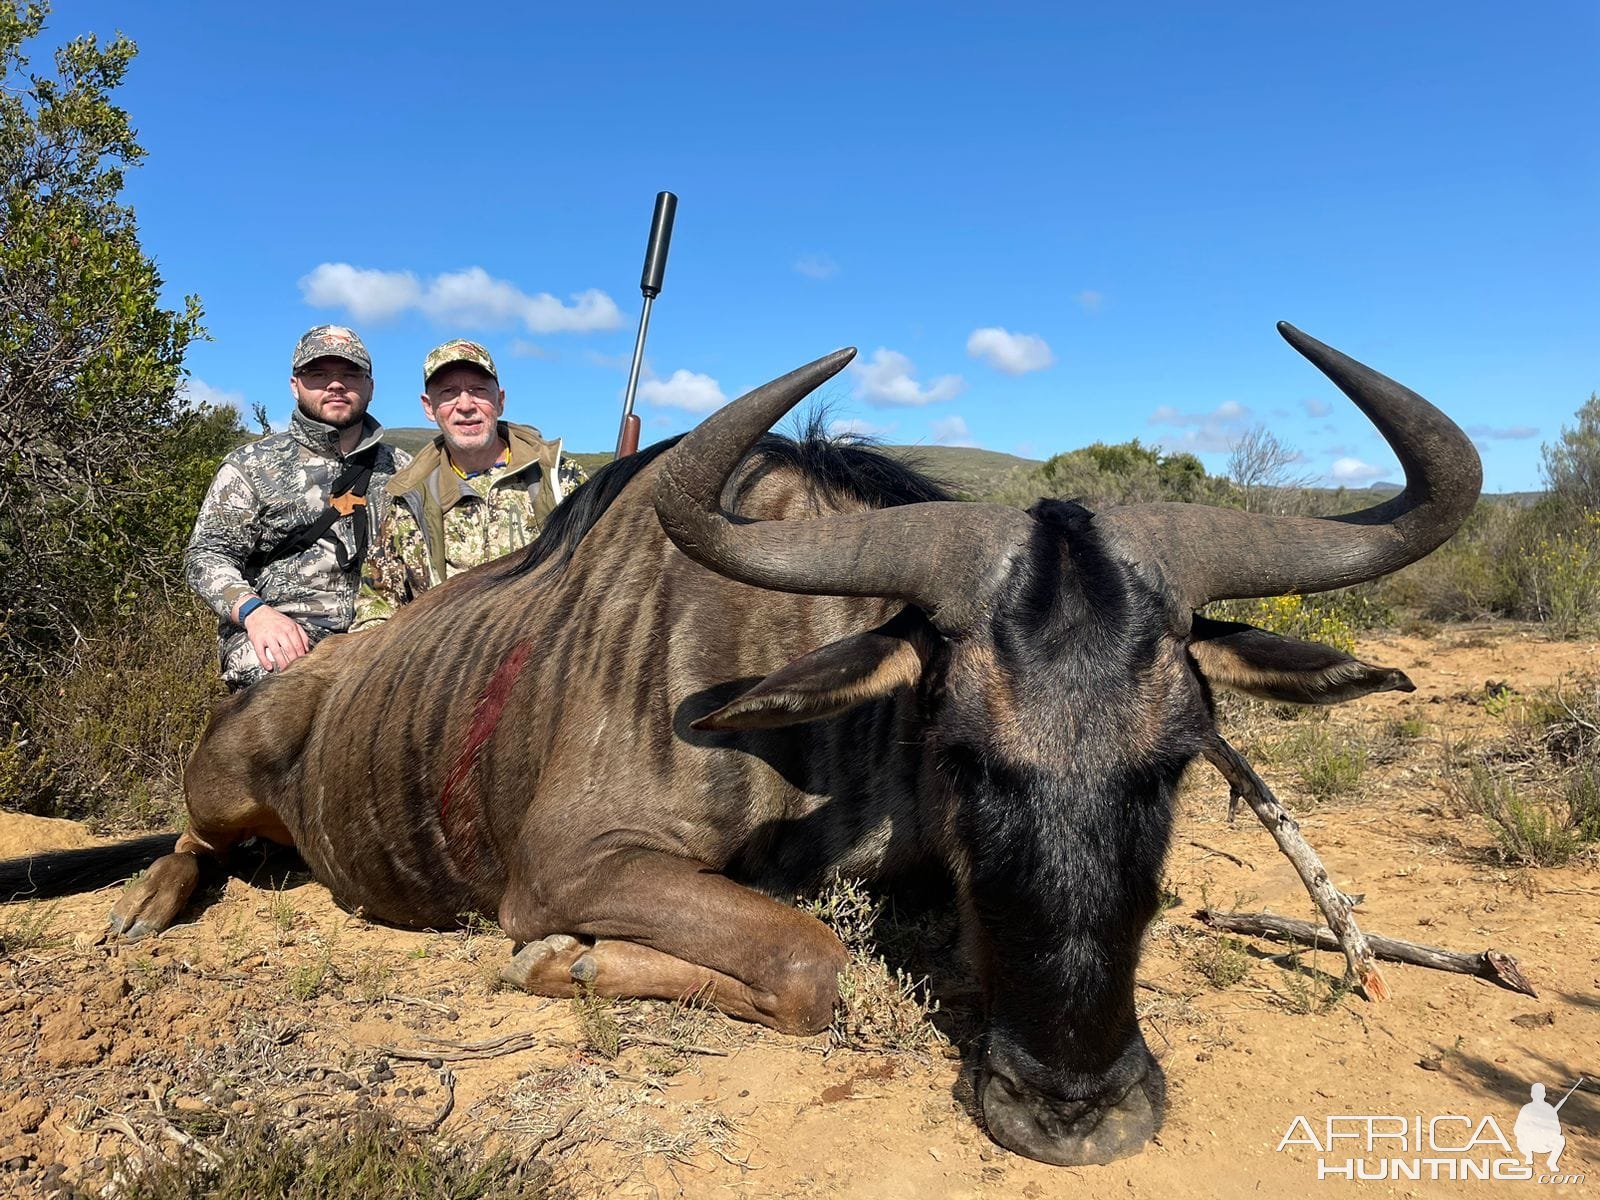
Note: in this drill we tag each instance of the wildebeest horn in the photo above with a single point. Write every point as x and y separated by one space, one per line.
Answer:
940 556
1205 553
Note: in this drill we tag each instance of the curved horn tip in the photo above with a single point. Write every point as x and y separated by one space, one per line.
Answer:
1301 341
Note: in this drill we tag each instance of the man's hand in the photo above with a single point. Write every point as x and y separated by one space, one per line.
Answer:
277 639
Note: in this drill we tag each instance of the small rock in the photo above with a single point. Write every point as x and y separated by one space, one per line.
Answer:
190 1104
435 1063
1431 1064
30 1113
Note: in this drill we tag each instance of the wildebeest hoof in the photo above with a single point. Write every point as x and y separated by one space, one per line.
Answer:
542 967
585 969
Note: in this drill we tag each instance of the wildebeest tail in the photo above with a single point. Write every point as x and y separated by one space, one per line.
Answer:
61 872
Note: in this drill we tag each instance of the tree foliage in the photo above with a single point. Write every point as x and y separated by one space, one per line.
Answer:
1572 464
102 460
1120 473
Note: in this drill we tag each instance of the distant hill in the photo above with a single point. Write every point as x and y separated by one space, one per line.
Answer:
965 469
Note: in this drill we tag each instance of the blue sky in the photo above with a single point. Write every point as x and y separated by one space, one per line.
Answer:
1043 225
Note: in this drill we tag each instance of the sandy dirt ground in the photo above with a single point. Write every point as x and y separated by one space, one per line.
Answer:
270 1001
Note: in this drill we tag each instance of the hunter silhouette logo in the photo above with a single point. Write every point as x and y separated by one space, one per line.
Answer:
1450 1146
1538 1128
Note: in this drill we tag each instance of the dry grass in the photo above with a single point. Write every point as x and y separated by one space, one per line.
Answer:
880 1007
369 1158
1539 789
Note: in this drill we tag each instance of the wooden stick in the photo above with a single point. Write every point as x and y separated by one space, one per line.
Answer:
1334 905
513 1044
1490 964
1233 858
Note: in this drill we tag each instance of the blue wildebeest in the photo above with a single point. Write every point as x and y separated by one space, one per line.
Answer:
736 665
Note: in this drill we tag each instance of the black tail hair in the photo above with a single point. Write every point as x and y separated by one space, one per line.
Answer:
61 872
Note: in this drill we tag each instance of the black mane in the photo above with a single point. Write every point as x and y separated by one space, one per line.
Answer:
844 467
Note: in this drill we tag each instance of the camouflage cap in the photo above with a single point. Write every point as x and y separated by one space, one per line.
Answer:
458 351
331 341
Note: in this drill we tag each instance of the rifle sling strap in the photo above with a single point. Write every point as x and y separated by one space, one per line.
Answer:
349 496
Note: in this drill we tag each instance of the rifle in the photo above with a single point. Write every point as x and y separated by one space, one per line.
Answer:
1568 1096
655 269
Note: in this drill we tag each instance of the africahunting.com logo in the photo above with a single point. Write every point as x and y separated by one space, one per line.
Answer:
1448 1146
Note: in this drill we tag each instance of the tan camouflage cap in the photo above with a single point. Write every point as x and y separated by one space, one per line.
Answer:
331 341
458 351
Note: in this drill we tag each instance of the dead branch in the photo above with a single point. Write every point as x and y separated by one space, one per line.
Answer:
559 1128
493 1043
1334 905
1233 858
1490 964
448 1079
643 1039
418 1001
465 1052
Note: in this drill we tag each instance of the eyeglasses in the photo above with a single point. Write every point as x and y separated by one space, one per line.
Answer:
448 396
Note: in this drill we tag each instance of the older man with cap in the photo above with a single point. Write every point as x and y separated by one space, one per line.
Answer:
481 489
278 546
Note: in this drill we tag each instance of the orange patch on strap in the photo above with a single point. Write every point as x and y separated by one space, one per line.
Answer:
347 503
459 807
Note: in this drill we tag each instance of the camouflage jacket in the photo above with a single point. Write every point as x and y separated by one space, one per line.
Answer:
435 524
263 493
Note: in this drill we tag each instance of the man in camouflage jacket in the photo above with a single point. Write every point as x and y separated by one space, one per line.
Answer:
275 601
480 490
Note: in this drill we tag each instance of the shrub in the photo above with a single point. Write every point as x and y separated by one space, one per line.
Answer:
1223 961
1531 830
368 1158
110 739
1332 618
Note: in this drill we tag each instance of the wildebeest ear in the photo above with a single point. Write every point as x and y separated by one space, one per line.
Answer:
828 681
1245 659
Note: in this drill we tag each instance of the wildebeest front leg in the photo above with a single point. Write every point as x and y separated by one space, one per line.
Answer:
222 813
666 928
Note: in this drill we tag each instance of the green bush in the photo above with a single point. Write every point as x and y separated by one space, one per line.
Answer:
1123 473
1534 830
109 740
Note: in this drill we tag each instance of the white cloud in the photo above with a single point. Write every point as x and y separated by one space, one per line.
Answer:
198 392
1317 408
889 379
1090 301
1204 432
687 390
952 431
857 427
1511 433
472 299
367 295
521 348
616 362
816 266
1353 470
1013 353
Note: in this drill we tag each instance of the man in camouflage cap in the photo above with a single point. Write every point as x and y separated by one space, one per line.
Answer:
277 549
481 489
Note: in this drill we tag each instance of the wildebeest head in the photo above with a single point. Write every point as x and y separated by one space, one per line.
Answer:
1064 677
